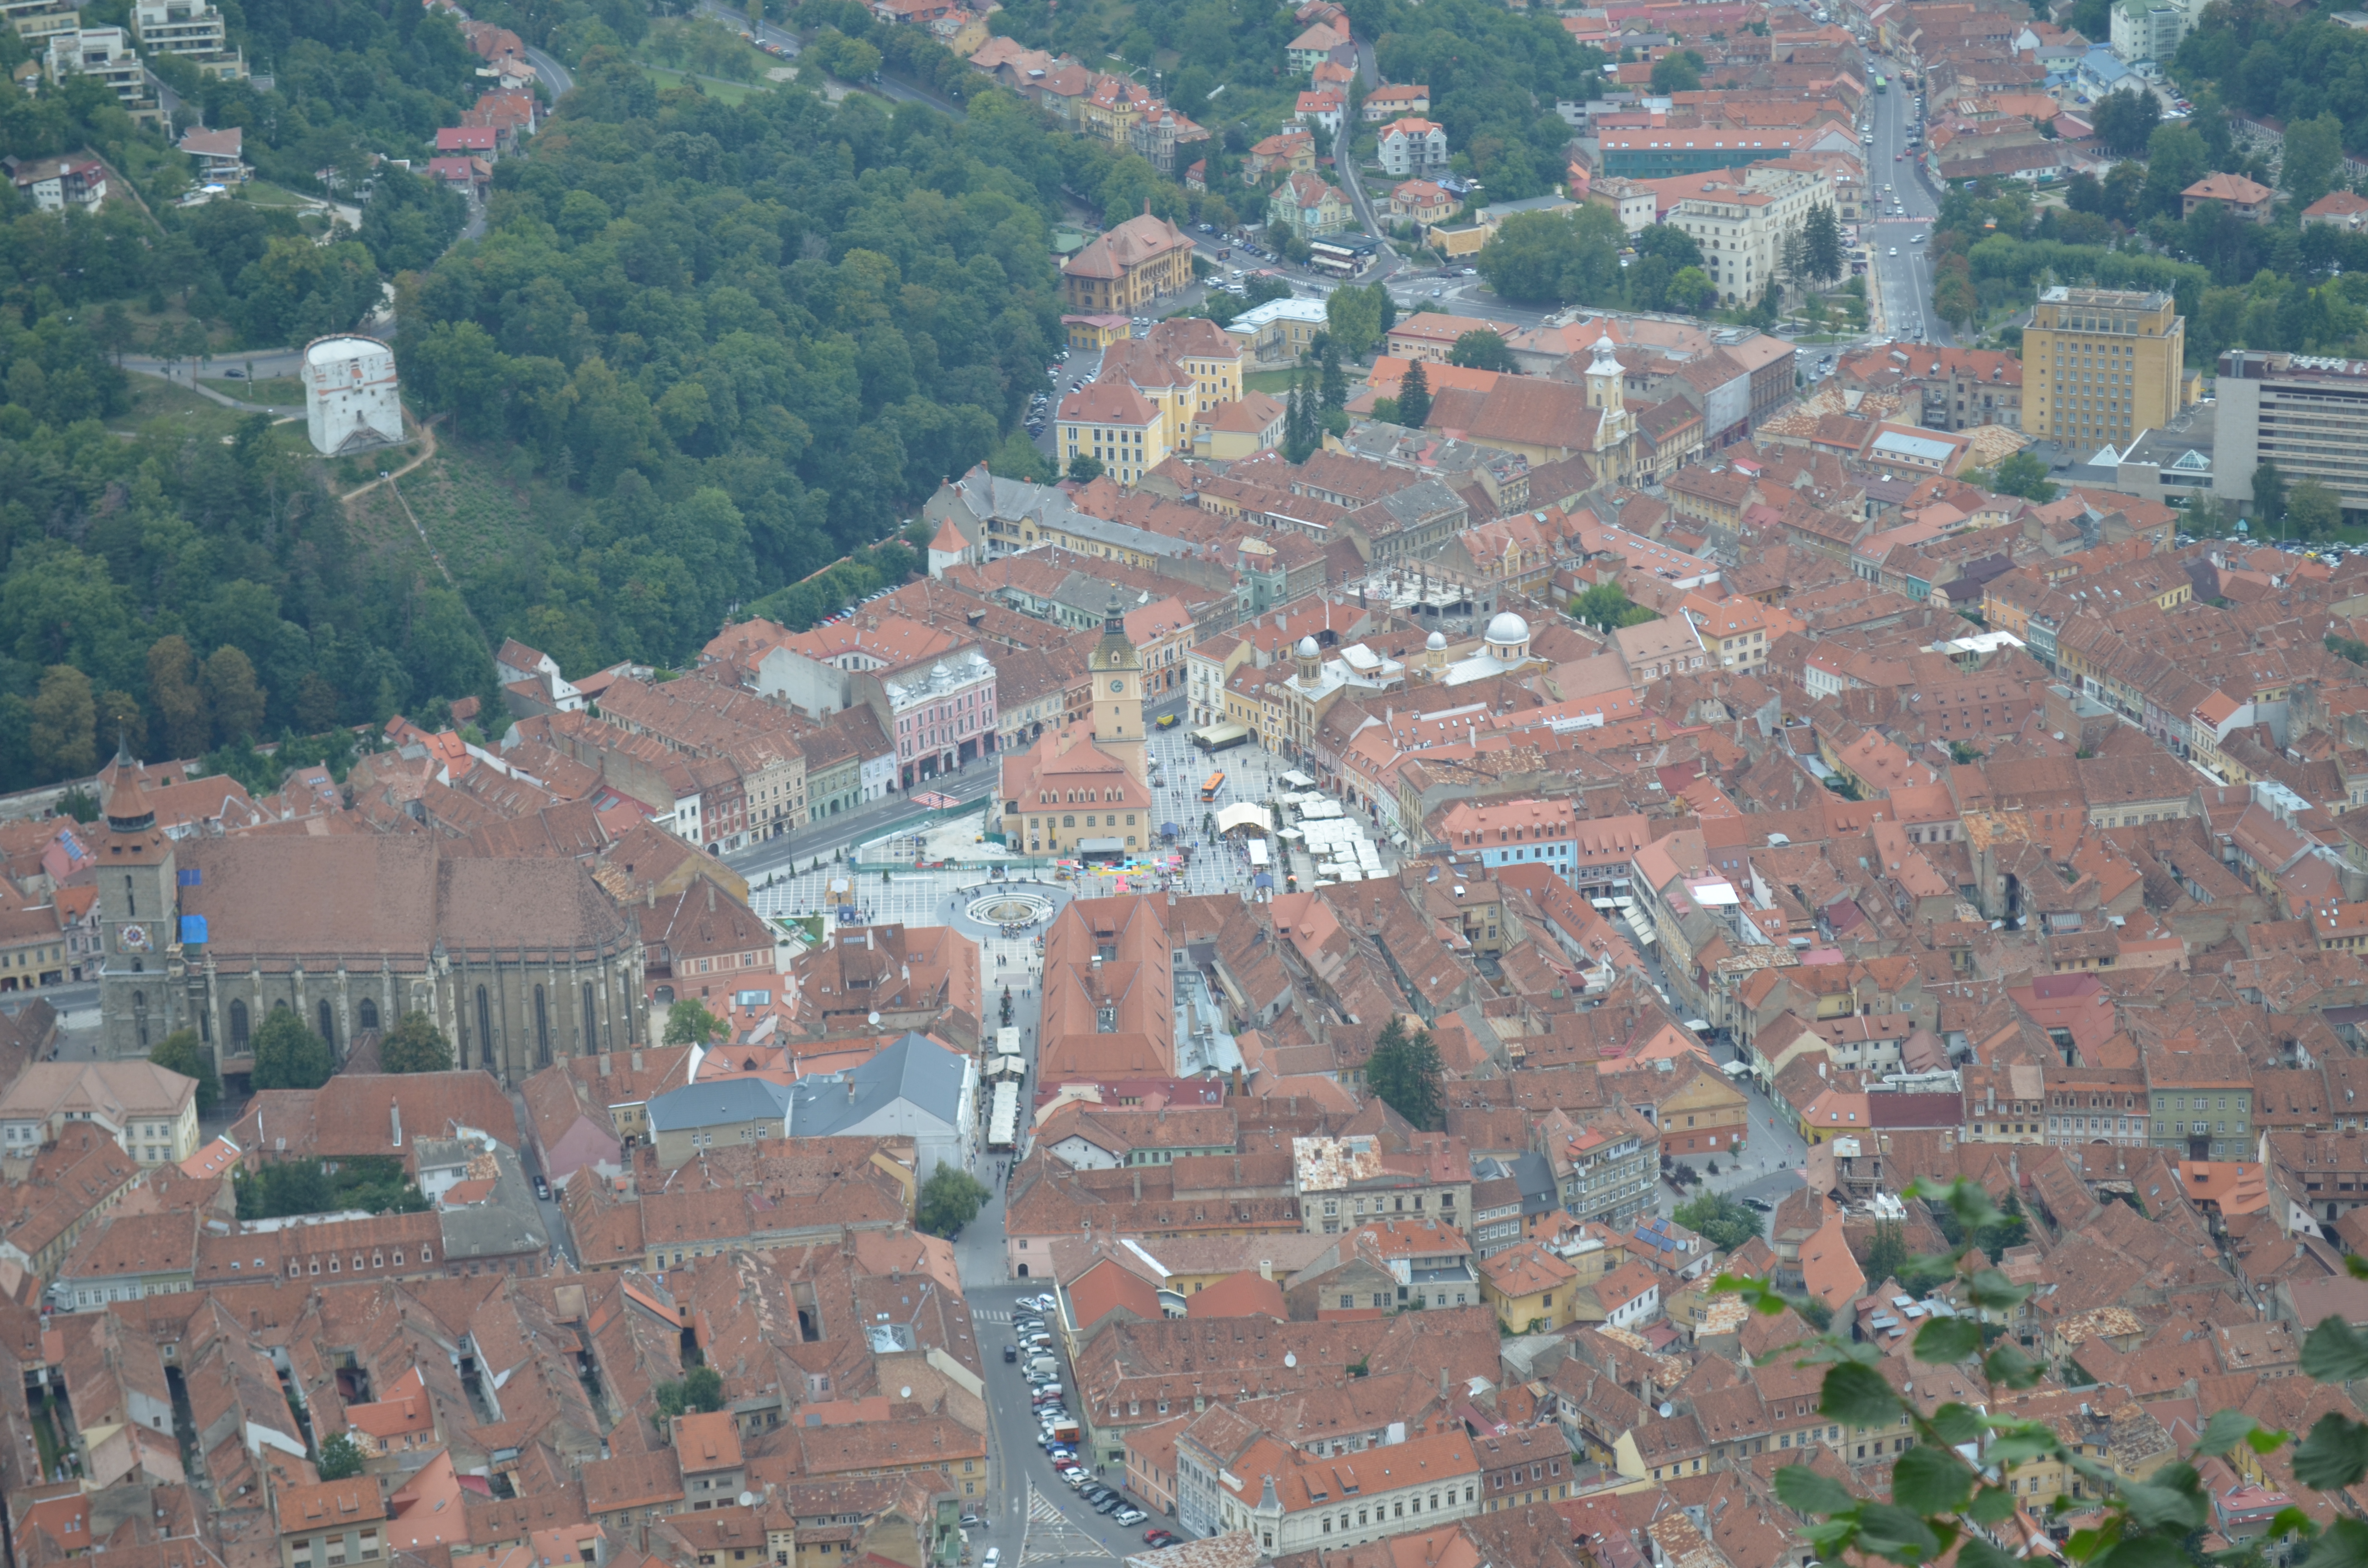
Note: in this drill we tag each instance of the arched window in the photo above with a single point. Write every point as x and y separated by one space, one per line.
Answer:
584 1026
541 1031
238 1025
139 1015
370 1012
328 1022
484 1031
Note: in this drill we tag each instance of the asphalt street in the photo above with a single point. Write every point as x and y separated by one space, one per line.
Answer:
818 840
1037 1519
1904 280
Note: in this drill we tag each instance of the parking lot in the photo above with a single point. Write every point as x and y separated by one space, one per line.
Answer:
1040 1515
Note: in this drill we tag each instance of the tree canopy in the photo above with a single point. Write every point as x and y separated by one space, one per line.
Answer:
415 1045
288 1055
689 1023
1404 1071
181 1052
339 1458
949 1199
1725 1222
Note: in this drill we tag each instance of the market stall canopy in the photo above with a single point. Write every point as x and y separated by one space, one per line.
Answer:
1244 813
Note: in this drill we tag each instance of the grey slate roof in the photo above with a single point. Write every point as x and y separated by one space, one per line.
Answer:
720 1104
915 1069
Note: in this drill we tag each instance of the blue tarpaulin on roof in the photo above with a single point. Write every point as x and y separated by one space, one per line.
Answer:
191 876
193 929
1262 881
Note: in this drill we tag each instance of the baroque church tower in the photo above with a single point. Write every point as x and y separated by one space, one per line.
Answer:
1118 693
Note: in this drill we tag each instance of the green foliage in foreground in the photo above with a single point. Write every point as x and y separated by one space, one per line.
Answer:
1953 1491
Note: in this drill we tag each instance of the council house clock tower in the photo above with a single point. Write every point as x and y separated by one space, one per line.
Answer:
1118 692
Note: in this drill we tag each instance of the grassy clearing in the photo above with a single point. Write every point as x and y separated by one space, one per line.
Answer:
479 514
262 193
1274 384
162 409
282 389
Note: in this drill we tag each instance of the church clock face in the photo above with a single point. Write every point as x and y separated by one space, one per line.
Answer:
134 938
1117 685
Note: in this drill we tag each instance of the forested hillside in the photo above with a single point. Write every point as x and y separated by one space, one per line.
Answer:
755 338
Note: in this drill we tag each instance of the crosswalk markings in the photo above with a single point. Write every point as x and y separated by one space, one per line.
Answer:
1052 1536
985 1314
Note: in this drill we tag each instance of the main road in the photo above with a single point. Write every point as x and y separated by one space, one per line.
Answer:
1893 172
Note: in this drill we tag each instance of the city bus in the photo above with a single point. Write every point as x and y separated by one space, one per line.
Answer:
1210 787
1880 85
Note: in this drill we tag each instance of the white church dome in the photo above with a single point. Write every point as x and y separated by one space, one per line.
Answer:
1509 628
1437 642
1307 649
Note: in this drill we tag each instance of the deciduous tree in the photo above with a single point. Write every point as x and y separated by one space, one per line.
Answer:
1481 349
689 1023
288 1055
234 696
415 1045
2314 509
181 1052
949 1199
66 719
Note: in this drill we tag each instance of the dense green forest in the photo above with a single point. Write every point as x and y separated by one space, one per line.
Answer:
752 337
186 590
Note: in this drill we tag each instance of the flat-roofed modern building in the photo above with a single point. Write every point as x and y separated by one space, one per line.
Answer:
2102 365
2307 415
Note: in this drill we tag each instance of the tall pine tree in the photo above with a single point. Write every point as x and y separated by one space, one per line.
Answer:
1413 397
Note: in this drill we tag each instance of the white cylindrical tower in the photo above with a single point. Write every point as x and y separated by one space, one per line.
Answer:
351 401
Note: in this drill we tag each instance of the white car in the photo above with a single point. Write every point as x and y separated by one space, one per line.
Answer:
1915 239
1894 250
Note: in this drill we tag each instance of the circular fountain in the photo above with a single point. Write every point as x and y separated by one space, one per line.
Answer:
1010 906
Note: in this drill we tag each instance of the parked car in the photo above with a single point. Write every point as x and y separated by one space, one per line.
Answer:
1128 1514
1110 1503
542 1189
1160 1538
1010 1354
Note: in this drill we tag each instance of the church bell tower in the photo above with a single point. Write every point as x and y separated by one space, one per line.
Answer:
140 991
1118 692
